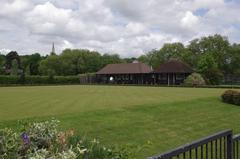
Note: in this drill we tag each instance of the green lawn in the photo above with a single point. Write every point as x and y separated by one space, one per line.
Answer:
168 117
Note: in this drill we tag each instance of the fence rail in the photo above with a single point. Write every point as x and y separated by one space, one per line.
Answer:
222 145
236 140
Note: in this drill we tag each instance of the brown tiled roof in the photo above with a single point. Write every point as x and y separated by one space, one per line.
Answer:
174 66
125 68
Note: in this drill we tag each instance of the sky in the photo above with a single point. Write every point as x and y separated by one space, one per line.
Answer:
127 27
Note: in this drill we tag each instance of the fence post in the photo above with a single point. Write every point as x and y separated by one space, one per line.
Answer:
229 146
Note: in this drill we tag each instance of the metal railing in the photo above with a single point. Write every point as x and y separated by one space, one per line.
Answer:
221 145
236 141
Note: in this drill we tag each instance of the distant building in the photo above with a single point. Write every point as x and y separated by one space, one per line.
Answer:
173 72
124 73
53 50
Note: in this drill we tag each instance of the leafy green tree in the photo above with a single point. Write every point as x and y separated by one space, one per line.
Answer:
167 52
53 64
110 59
30 63
72 62
234 60
208 67
14 69
216 45
2 62
34 61
174 50
81 61
143 58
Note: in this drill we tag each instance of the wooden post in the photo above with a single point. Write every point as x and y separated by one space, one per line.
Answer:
229 146
174 82
168 80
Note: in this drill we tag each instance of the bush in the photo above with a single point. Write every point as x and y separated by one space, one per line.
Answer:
42 140
195 79
9 79
38 80
231 97
213 76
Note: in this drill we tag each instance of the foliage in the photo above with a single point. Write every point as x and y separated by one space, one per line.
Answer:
156 57
231 97
195 79
216 45
30 63
14 69
233 66
73 62
9 143
213 56
41 140
9 79
38 80
207 66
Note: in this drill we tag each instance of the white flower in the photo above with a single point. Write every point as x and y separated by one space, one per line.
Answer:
82 151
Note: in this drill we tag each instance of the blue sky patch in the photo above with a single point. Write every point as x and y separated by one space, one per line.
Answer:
201 12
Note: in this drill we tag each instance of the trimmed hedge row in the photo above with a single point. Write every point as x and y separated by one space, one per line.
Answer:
231 97
38 80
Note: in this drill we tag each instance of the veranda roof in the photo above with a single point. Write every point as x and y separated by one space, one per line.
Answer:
125 68
174 66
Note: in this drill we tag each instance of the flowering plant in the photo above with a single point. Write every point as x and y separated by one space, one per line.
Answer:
41 140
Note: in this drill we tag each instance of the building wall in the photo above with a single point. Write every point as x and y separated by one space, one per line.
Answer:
150 78
170 78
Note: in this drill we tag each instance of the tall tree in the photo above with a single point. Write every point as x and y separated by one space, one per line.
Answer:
167 52
208 67
234 60
2 62
216 45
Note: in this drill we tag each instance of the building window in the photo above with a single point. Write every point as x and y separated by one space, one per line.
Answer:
180 76
162 76
131 77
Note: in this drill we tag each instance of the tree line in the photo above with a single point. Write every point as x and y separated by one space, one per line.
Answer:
212 56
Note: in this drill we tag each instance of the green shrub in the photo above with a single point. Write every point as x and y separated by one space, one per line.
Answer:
38 80
9 143
9 79
231 97
195 79
41 140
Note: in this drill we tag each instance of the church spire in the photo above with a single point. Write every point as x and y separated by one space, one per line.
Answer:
53 49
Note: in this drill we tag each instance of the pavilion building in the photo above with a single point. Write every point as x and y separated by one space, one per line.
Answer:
124 73
173 72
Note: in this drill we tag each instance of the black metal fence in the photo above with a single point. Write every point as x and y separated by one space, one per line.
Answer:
222 145
236 140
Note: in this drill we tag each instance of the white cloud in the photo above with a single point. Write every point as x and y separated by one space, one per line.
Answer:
47 19
13 8
189 20
126 27
67 45
135 29
4 51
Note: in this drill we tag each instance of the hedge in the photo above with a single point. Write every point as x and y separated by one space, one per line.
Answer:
231 97
38 80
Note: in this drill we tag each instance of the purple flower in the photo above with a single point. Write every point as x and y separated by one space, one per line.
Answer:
25 138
